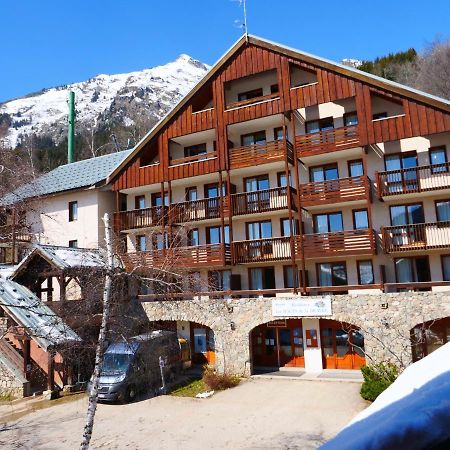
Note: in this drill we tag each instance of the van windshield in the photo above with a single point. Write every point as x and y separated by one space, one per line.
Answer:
116 362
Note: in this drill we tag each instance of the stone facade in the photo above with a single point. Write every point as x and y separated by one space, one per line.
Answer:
11 383
385 320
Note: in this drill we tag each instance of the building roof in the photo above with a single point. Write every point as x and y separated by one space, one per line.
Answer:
293 53
40 322
63 258
81 174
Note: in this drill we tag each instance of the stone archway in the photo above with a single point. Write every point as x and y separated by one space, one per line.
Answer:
429 336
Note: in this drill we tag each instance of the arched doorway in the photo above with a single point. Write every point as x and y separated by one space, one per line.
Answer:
342 345
203 346
429 336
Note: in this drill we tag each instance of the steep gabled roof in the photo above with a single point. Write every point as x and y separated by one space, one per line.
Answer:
351 72
81 174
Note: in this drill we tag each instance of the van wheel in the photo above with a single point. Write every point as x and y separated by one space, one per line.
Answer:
130 394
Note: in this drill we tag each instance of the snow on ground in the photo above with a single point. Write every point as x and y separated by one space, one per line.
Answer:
95 95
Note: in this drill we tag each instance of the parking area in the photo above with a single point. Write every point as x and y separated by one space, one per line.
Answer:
258 414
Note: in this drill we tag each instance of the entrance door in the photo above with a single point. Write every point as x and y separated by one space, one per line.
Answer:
341 348
264 347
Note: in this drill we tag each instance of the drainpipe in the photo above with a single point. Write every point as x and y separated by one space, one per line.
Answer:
71 136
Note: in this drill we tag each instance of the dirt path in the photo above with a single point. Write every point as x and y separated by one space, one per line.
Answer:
258 414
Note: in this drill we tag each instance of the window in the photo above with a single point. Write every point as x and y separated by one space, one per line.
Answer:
332 274
212 190
324 173
438 155
262 278
400 161
258 137
214 235
193 238
281 178
445 267
256 183
443 210
220 280
274 89
191 194
139 202
195 150
365 272
250 94
278 134
141 243
157 199
327 223
412 270
401 180
259 230
355 168
286 229
73 211
381 115
290 277
73 244
360 219
350 118
314 126
160 241
407 214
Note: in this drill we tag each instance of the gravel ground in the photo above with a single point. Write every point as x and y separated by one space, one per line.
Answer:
258 414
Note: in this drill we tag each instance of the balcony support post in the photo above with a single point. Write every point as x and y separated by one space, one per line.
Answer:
299 213
369 196
230 215
13 237
163 212
163 223
222 218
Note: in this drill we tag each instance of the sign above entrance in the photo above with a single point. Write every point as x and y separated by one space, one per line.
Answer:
280 323
301 307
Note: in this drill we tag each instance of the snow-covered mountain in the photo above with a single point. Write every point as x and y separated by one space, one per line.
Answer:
120 99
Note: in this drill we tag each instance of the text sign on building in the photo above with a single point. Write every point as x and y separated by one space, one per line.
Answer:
301 308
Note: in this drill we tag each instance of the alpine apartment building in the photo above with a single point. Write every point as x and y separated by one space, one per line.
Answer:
282 174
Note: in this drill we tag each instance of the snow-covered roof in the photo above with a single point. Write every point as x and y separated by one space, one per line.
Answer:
63 258
6 270
77 175
40 322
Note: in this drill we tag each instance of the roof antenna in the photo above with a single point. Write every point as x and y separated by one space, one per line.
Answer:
243 25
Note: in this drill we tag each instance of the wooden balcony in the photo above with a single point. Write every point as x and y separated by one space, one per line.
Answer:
262 250
265 200
139 218
193 159
418 236
342 243
413 180
211 255
256 154
251 101
326 141
14 233
335 191
195 210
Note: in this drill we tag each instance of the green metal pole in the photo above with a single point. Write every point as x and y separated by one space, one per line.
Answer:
71 137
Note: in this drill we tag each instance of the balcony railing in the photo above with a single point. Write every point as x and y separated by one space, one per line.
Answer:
251 101
193 159
140 218
195 210
342 243
326 141
16 233
180 257
414 180
261 201
418 236
335 191
253 155
261 250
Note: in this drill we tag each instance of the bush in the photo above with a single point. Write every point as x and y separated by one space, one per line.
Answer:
219 381
377 378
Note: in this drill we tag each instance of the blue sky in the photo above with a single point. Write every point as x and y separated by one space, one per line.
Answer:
49 42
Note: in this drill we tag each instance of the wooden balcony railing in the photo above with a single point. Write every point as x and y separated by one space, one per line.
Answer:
342 243
335 191
262 201
261 250
210 255
326 141
193 159
16 233
139 218
192 211
413 180
251 101
418 236
253 155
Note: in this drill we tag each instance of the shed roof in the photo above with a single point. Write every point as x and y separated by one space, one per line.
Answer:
81 174
40 322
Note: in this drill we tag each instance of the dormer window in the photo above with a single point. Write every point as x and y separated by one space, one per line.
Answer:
248 95
195 150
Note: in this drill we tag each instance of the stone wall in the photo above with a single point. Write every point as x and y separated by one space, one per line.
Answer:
385 320
11 383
